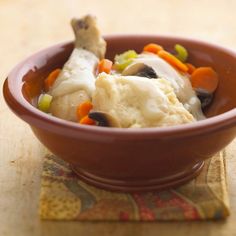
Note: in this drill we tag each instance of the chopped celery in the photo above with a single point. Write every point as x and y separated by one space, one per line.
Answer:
124 59
182 53
44 102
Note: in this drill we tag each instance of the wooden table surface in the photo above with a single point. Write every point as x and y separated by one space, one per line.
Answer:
28 26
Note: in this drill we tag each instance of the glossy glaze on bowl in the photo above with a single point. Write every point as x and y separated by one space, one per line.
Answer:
130 159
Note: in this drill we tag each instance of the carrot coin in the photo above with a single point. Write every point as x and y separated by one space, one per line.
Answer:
205 78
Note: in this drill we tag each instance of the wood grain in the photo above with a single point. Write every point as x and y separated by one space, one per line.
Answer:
28 26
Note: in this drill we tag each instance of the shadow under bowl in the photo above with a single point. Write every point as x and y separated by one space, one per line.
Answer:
129 160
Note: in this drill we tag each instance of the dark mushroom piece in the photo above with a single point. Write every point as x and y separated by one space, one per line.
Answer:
140 69
104 119
204 96
147 72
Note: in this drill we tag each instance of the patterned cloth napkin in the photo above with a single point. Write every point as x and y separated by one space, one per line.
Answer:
65 197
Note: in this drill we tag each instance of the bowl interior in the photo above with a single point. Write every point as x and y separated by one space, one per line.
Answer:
222 60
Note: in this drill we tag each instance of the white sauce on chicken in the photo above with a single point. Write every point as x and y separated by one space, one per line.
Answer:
77 74
180 82
139 102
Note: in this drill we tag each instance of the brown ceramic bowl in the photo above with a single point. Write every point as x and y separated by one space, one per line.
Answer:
129 159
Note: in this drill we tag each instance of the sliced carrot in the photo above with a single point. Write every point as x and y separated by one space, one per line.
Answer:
172 60
49 81
152 47
83 109
191 68
205 78
87 121
105 65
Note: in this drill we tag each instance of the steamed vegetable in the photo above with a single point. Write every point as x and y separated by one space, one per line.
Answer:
205 78
191 68
44 102
172 60
49 81
153 48
204 96
182 53
124 59
87 121
105 65
83 109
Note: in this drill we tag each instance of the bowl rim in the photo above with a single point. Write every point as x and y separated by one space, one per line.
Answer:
22 108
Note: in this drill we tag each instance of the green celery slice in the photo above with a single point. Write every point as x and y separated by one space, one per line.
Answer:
124 59
44 102
182 53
